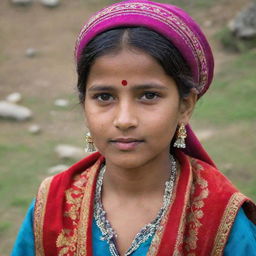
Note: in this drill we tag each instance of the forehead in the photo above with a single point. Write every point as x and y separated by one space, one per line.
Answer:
128 64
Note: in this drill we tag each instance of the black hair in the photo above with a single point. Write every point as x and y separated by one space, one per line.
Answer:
144 39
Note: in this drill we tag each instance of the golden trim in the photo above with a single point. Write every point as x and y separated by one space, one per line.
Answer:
39 213
227 221
182 226
196 207
158 13
85 211
154 247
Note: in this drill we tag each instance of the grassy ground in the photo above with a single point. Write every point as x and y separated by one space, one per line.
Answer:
228 110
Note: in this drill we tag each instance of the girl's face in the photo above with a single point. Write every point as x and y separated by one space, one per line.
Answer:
132 108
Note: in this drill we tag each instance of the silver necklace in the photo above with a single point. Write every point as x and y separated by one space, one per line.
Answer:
109 235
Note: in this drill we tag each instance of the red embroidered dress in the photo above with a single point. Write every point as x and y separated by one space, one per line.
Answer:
202 211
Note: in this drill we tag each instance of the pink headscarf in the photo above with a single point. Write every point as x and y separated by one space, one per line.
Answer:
174 24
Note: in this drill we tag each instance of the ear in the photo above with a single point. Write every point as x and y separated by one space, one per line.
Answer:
187 105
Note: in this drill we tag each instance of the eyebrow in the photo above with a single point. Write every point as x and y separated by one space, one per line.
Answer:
134 88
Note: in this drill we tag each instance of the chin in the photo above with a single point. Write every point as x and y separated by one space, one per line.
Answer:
128 160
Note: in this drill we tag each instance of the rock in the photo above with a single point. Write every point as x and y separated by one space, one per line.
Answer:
50 3
14 97
69 152
31 52
244 24
61 103
204 134
208 23
13 111
57 168
34 129
22 2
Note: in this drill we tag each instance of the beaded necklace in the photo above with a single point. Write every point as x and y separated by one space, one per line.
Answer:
109 235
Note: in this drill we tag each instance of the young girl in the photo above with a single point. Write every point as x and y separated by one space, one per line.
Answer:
151 189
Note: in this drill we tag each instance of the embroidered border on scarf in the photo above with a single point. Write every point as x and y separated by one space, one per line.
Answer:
227 221
67 239
182 226
153 249
39 214
85 210
196 211
73 241
160 14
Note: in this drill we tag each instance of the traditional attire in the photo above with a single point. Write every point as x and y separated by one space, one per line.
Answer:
207 215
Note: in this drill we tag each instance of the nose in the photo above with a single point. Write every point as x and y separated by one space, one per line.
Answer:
125 116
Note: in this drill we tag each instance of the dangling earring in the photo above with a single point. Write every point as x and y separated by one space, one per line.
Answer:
89 143
181 136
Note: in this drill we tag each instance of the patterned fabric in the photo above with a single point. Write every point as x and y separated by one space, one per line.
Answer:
170 21
198 222
242 239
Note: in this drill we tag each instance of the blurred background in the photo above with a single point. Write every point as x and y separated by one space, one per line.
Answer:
42 124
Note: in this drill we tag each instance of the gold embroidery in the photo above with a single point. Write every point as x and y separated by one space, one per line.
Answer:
39 213
73 241
85 210
153 249
227 221
182 226
196 212
157 13
67 239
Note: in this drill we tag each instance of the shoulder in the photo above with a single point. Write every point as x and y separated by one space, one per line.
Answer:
242 238
66 178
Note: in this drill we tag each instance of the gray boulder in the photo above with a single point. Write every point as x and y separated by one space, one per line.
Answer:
21 2
14 97
69 152
12 111
50 3
57 168
244 24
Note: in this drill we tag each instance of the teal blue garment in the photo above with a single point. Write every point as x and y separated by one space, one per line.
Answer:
24 244
101 247
242 239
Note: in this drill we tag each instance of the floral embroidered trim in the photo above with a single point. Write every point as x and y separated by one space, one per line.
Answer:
85 211
180 236
160 14
72 241
147 231
196 212
39 213
227 221
153 249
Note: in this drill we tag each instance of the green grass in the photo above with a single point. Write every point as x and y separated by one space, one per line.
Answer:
232 96
230 109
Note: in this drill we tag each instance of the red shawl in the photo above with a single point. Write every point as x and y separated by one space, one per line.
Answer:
203 208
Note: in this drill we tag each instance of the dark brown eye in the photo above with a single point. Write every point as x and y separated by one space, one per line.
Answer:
149 96
104 97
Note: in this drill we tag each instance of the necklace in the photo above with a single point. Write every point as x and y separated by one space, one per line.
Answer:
109 235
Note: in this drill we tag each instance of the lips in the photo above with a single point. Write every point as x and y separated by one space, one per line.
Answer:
126 144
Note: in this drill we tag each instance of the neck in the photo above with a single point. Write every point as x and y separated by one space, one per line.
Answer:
144 180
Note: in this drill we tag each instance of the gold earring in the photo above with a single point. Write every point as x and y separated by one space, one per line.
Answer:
89 143
181 136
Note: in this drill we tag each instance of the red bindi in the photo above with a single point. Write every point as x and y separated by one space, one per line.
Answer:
124 82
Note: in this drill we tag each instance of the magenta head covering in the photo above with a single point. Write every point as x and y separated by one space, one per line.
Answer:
174 24
169 21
